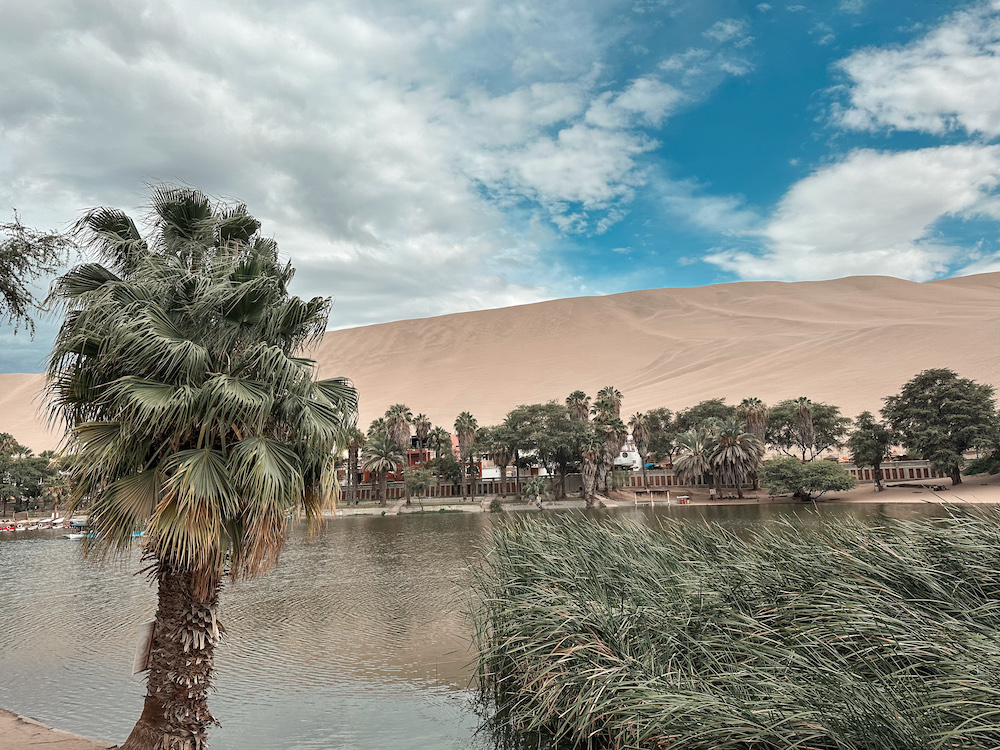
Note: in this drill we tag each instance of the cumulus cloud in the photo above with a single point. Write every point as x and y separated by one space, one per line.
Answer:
946 80
873 213
410 161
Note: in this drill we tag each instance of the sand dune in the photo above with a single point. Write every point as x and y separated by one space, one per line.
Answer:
849 342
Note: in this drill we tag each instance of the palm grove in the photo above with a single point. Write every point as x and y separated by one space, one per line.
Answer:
937 415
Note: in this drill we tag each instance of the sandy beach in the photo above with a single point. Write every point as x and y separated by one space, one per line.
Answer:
24 733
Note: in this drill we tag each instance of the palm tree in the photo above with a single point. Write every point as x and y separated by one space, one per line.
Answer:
355 444
178 375
591 448
439 441
754 413
614 433
804 424
397 421
639 425
735 453
466 427
608 403
422 424
578 403
381 456
694 452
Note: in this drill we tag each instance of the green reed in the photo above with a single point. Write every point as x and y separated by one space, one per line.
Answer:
839 635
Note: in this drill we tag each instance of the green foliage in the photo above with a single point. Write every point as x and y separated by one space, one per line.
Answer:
807 481
817 635
23 475
939 416
418 481
697 415
869 444
983 465
827 428
26 254
496 506
177 371
448 467
537 489
662 433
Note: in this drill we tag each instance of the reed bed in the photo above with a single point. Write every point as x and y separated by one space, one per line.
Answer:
837 634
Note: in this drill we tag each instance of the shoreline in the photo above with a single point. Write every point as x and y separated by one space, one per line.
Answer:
18 732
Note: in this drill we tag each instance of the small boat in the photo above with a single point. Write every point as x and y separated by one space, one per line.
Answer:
74 536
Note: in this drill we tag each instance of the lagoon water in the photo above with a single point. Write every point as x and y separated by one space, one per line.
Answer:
355 640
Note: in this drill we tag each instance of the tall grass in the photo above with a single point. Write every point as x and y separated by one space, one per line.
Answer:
841 635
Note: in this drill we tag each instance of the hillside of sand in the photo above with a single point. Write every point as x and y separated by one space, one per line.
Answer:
848 342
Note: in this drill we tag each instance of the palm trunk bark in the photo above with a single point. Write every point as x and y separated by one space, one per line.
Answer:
383 486
175 714
503 480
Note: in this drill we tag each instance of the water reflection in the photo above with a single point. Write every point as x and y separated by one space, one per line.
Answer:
355 640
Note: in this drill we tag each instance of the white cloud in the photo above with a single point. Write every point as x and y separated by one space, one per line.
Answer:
946 80
393 151
763 7
727 29
873 213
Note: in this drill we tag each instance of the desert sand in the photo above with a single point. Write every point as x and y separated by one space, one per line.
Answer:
848 342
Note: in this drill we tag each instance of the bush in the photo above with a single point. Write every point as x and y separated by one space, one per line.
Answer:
693 636
496 506
984 465
807 481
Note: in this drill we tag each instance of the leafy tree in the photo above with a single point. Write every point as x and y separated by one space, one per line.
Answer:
178 373
538 490
869 445
553 433
439 441
662 433
939 416
806 481
25 255
697 415
418 481
804 428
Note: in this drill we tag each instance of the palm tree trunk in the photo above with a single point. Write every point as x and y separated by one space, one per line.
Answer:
503 481
517 469
175 714
383 486
645 475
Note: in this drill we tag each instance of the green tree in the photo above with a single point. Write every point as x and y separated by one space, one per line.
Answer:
466 427
497 442
869 445
615 433
804 428
418 481
694 456
439 441
398 418
178 373
697 415
381 456
939 416
735 454
25 255
807 481
591 448
355 439
639 424
578 403
608 404
662 433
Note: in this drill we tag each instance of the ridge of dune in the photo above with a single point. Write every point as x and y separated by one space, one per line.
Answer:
849 341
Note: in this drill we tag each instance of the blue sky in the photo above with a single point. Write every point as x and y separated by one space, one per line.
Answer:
414 159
